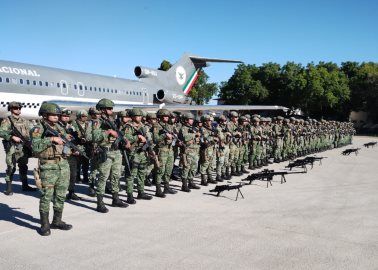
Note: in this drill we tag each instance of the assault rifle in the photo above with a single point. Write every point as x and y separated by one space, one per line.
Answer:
220 188
49 131
24 141
304 162
176 139
147 146
315 158
267 175
120 143
372 144
347 152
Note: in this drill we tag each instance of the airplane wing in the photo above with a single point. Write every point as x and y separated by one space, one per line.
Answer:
184 107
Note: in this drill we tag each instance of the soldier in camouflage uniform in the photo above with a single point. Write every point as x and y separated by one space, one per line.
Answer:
223 165
110 164
189 158
163 135
17 151
72 159
278 139
151 168
81 125
139 137
232 128
53 167
93 150
207 150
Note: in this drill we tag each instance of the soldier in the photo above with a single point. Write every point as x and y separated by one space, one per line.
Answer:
110 162
163 135
81 125
223 165
151 168
139 137
232 128
16 140
208 141
278 139
72 159
189 158
93 150
53 167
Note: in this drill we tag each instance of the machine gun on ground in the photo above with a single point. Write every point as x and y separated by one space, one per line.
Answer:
220 188
302 163
49 131
372 144
267 175
347 152
312 159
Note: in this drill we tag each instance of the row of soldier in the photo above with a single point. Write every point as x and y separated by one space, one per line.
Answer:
143 145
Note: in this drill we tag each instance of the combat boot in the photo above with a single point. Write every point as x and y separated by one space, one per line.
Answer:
250 167
45 224
117 202
168 190
100 205
244 170
143 196
210 179
228 173
159 193
237 172
147 182
204 179
25 186
91 191
185 187
57 222
219 178
72 196
130 198
8 190
192 185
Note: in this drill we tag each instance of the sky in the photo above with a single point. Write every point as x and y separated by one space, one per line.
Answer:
112 37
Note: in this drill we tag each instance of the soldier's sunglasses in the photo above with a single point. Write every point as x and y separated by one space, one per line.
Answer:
16 108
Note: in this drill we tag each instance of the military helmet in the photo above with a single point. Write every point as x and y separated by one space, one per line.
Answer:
14 104
49 108
222 118
205 117
286 120
104 103
163 112
81 113
248 116
93 110
255 119
136 112
242 118
65 112
188 115
151 116
123 114
234 114
280 118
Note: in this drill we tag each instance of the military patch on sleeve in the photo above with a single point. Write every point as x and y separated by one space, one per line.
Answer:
36 132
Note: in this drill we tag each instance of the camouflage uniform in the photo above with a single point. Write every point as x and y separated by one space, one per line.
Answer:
223 165
16 153
53 168
232 128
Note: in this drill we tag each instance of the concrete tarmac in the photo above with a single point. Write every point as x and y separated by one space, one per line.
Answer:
325 219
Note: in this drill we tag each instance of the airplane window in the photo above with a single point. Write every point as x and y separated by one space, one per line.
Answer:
27 82
64 85
111 90
21 81
75 86
108 90
85 87
80 87
90 88
34 82
47 84
95 88
7 80
58 85
116 91
1 79
40 83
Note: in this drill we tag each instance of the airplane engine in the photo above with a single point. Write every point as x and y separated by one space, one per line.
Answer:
143 72
172 97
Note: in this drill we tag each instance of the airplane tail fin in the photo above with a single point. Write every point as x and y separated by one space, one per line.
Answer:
180 78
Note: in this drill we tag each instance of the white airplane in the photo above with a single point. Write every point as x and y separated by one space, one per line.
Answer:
32 85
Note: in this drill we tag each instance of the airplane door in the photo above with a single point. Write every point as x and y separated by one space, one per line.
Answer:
80 89
145 95
63 87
